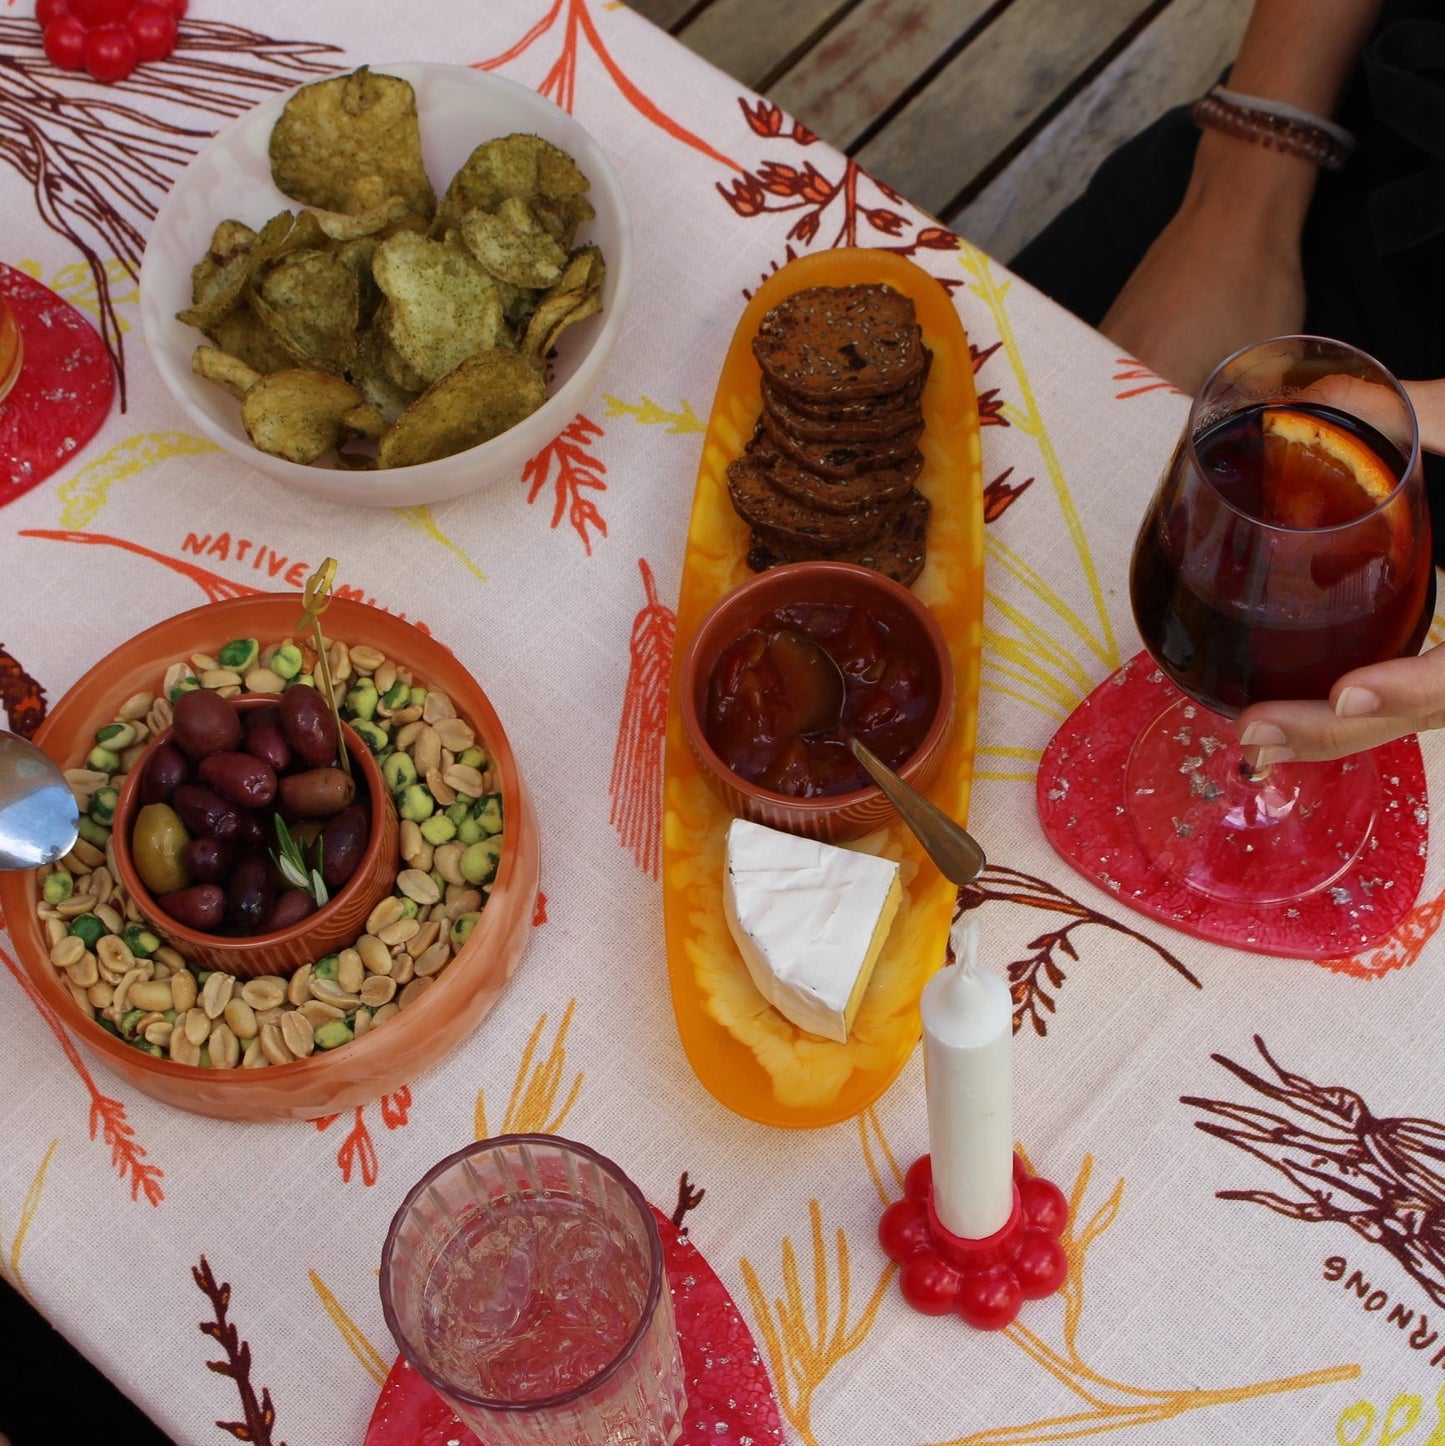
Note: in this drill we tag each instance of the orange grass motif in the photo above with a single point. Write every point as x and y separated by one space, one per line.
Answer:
636 783
560 83
357 1150
107 1115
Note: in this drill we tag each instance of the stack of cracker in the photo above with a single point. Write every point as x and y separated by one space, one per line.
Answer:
829 472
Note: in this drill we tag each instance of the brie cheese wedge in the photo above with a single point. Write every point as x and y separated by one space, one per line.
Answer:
809 919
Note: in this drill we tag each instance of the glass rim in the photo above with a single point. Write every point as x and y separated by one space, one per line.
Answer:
1193 432
656 1279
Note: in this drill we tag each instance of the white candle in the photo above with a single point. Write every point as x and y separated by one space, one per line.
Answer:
968 1073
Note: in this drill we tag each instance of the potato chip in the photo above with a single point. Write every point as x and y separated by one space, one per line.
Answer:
576 296
513 245
348 143
309 300
243 335
441 306
224 369
479 400
525 167
297 414
385 214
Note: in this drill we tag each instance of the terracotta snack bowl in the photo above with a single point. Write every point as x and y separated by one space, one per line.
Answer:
332 927
900 691
357 1019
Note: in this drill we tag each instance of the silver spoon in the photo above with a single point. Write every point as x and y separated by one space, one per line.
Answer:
816 692
39 818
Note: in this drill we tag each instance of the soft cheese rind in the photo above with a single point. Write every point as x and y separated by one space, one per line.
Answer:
809 919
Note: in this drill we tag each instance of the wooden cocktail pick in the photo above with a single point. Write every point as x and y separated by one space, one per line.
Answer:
316 598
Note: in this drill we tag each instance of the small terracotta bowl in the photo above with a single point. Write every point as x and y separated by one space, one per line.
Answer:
834 817
336 925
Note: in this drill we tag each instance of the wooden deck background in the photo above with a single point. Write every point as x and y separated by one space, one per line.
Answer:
989 114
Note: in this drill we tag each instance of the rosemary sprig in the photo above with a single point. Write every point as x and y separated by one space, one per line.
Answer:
292 863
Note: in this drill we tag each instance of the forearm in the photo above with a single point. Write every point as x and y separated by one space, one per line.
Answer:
1429 402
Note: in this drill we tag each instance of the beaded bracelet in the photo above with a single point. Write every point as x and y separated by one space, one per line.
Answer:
1274 124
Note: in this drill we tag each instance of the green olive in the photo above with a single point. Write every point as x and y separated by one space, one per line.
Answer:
156 845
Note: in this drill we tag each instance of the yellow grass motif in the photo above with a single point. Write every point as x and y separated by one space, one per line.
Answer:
650 414
372 1361
424 520
83 496
10 1266
76 284
1027 756
532 1107
1027 661
802 1351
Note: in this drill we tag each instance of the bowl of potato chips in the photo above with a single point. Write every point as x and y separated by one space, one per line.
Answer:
391 286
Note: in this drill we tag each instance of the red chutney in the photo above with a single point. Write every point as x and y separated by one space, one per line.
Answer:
890 700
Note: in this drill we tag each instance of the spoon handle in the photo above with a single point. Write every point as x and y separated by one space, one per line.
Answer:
956 852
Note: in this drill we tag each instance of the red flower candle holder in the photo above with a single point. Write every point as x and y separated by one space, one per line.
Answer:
984 1281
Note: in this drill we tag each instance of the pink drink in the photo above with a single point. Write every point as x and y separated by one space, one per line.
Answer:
523 1277
533 1302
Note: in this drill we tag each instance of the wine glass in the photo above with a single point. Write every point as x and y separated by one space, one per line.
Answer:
1288 542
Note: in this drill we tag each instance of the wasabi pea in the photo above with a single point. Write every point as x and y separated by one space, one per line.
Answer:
103 760
333 1034
59 886
239 655
439 829
462 928
398 771
479 863
115 736
416 803
286 661
361 701
102 805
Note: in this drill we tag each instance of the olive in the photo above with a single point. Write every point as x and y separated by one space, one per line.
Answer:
289 908
201 907
254 830
164 769
208 860
157 845
205 723
205 811
342 843
243 779
309 727
250 893
264 738
319 793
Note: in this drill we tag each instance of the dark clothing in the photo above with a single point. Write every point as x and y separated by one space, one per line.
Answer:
1374 243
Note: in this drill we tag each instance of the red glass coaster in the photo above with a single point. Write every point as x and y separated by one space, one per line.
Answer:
1082 806
64 389
730 1397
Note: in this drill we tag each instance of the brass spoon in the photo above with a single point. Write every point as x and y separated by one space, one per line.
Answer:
816 692
39 818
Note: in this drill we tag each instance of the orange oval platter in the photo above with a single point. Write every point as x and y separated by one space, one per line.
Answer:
746 1054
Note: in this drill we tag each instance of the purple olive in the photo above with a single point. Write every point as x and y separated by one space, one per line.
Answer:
205 723
264 738
164 769
208 860
309 727
243 779
255 831
289 908
319 793
201 907
250 894
342 843
204 811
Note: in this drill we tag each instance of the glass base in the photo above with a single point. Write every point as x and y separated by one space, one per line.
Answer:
1205 821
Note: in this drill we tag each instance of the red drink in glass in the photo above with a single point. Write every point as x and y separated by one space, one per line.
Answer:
1236 613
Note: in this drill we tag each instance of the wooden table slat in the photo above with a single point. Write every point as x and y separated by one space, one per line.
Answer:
869 60
951 132
753 41
1176 57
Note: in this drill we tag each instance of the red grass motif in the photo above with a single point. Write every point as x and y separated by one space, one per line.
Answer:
107 1115
560 83
636 784
578 473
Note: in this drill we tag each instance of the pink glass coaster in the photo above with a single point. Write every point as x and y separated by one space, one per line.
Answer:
63 392
729 1394
1081 798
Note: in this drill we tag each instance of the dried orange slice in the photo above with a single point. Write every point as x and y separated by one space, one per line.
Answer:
1317 473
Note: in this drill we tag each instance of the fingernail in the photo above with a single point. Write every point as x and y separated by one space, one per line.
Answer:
1266 756
1356 703
1258 734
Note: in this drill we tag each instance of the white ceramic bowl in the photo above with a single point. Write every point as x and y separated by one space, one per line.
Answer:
459 109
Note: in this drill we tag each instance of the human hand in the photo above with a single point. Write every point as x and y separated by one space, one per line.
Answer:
1366 707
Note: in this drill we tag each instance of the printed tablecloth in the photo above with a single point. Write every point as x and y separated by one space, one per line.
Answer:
1254 1147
